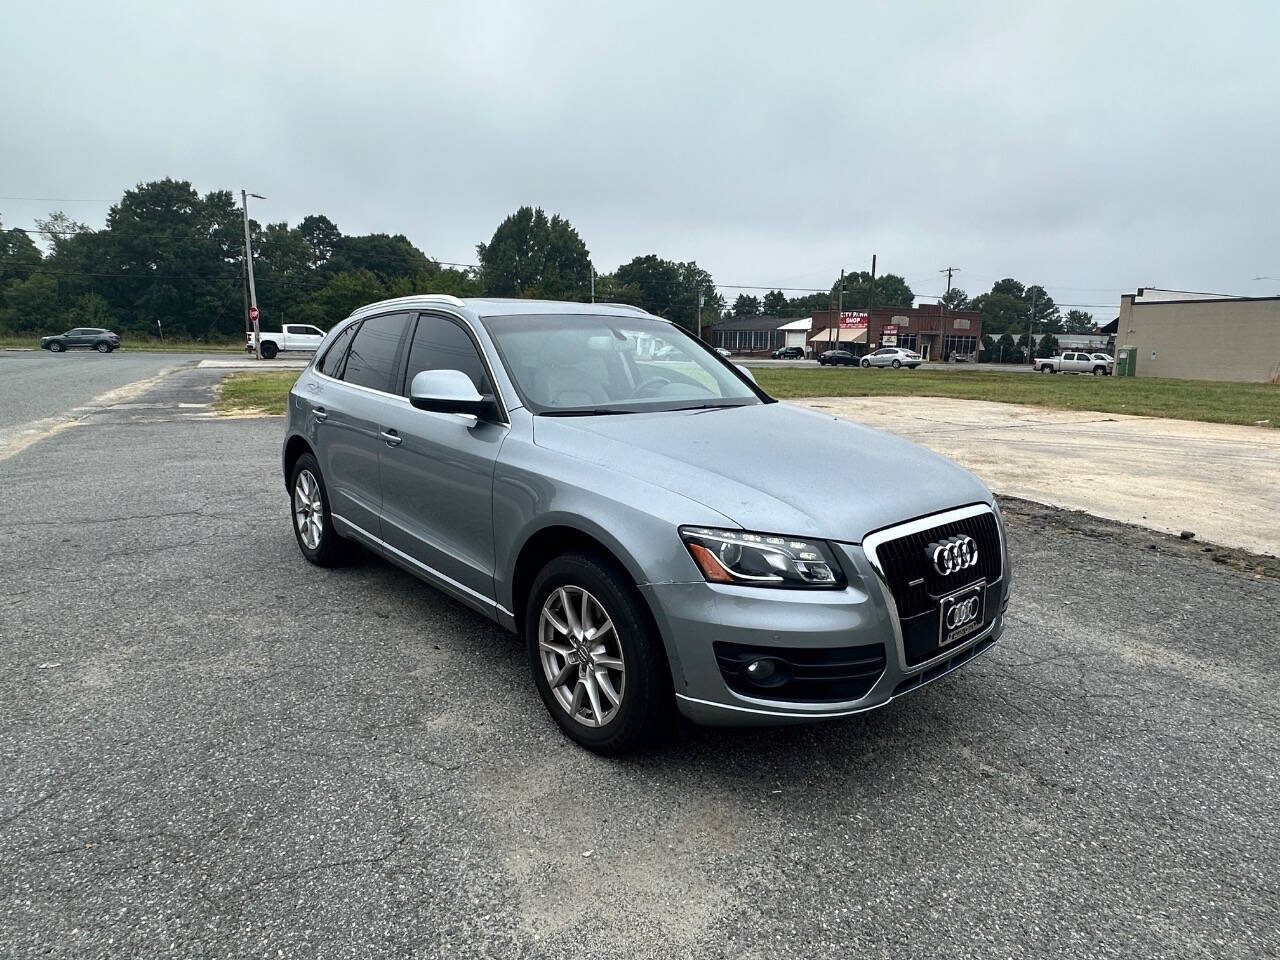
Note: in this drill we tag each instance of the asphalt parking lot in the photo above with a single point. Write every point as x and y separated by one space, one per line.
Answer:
211 748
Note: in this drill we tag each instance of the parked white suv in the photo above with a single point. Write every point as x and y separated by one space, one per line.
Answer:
1075 363
295 336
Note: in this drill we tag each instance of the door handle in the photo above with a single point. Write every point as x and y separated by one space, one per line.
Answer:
393 439
321 416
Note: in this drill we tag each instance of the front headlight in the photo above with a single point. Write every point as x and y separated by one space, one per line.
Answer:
762 559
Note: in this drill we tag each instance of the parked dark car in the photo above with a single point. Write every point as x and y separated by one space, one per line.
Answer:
90 338
837 358
789 353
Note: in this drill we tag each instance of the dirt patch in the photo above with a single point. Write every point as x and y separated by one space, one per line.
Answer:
1083 524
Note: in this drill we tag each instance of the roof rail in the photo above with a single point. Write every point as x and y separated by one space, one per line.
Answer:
624 306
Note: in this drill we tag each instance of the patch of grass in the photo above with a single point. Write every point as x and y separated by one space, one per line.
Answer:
1205 400
1213 402
149 345
256 393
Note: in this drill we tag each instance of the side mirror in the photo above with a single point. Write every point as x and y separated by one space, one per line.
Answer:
746 372
448 391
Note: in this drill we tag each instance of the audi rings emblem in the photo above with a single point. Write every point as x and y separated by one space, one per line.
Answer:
953 554
963 612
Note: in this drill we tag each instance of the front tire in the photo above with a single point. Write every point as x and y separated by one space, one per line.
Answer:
596 659
1099 371
312 519
866 364
1046 369
56 347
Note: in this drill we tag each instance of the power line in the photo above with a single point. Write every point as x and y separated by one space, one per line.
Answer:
55 200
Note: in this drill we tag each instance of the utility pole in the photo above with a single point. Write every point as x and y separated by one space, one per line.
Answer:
942 304
871 294
593 284
1031 326
839 312
699 314
948 271
244 291
248 265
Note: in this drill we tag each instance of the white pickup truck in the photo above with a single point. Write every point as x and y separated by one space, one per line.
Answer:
294 336
1075 363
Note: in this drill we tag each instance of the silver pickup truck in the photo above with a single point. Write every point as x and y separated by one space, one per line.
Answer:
1096 364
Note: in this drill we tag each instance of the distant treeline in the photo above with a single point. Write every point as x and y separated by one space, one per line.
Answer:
169 258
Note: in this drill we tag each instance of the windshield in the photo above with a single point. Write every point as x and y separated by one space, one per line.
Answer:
573 364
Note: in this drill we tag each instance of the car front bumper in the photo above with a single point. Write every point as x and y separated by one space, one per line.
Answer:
694 617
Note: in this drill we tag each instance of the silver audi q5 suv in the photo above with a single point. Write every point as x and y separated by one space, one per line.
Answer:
661 532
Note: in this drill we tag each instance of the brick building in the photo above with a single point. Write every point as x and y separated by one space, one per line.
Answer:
929 329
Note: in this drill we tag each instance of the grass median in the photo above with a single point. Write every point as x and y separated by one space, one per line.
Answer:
11 341
256 394
1209 401
1212 402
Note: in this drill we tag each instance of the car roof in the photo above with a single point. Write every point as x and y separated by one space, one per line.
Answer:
508 306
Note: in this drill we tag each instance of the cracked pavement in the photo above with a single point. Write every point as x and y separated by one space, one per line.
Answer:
210 748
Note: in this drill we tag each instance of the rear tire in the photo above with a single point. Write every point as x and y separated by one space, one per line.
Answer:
642 681
103 347
269 350
312 519
896 363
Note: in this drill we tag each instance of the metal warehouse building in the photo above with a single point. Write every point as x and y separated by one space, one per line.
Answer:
1198 336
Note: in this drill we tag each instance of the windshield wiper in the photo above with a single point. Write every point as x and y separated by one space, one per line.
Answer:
585 412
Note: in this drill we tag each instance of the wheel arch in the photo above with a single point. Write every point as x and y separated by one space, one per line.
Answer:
562 536
294 448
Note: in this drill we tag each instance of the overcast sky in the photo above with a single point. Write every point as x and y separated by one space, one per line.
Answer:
1090 147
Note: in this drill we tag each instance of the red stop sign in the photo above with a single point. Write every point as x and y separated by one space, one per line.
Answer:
253 314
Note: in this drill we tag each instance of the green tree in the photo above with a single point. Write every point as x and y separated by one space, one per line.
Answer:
803 306
1007 308
1007 351
174 257
1048 318
531 255
775 304
31 304
1078 321
58 229
322 237
1047 345
381 254
91 310
666 288
746 306
891 290
340 296
18 255
955 299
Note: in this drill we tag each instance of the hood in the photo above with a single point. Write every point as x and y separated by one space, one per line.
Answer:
773 468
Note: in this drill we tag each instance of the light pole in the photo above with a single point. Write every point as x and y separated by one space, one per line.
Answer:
1031 326
248 262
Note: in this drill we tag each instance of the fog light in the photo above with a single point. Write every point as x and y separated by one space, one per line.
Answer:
766 672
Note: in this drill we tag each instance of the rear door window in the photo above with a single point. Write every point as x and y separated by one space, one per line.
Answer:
372 357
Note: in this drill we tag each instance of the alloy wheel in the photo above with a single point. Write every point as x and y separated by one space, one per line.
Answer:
308 510
581 656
